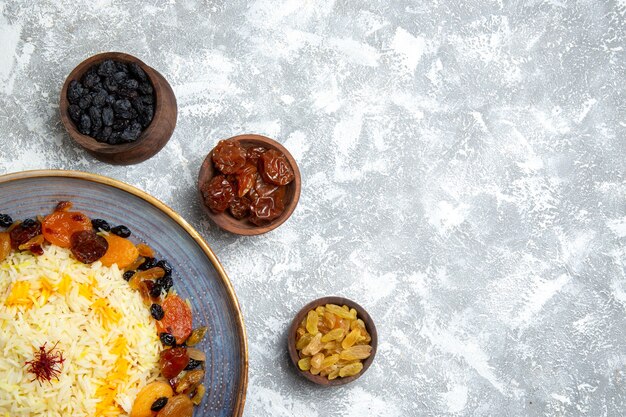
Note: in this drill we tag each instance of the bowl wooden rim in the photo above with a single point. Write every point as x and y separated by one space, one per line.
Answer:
361 313
242 227
165 102
242 389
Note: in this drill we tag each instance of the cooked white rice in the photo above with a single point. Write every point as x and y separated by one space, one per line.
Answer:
102 327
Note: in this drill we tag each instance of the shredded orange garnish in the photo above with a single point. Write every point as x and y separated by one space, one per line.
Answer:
20 295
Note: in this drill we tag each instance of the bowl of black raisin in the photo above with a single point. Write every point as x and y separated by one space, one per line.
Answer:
117 108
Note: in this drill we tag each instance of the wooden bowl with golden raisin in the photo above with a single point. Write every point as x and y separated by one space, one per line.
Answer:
332 341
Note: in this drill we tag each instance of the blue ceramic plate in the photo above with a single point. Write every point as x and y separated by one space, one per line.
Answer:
198 274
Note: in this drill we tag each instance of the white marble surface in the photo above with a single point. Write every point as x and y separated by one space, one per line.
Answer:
463 169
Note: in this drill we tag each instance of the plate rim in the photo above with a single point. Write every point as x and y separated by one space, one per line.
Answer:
101 179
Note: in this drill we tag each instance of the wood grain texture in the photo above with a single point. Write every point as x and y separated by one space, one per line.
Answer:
151 140
291 339
244 227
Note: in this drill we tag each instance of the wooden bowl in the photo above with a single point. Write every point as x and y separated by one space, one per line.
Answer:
244 227
291 339
152 139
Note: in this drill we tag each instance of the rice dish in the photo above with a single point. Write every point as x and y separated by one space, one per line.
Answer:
103 328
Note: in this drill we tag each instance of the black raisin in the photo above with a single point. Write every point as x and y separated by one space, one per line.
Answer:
29 223
121 231
106 132
132 132
5 220
75 112
165 266
100 224
159 404
121 66
91 79
120 124
74 92
110 84
128 275
107 68
147 264
155 291
146 88
145 115
96 118
130 94
193 364
120 77
84 126
137 72
107 116
122 105
157 311
148 99
166 282
167 339
85 101
100 97
131 84
114 139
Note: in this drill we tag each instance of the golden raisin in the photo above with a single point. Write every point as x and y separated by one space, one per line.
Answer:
335 334
311 322
329 361
314 346
316 360
350 339
329 319
339 311
350 370
304 363
304 341
356 352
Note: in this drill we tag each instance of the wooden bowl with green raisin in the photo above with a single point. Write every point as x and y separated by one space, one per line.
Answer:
293 337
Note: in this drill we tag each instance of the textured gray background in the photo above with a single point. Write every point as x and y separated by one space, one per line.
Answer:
463 172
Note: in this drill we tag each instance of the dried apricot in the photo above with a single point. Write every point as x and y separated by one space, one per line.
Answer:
59 227
147 396
121 251
177 319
